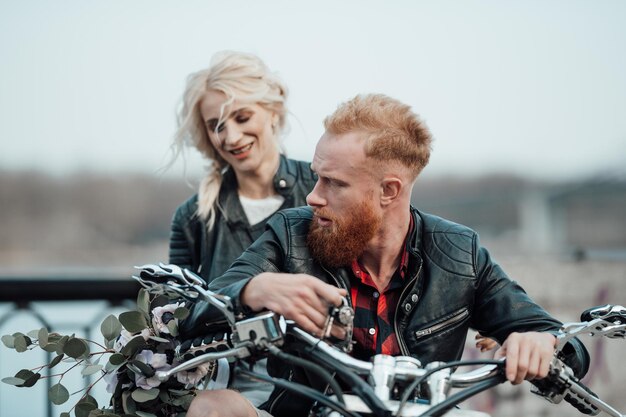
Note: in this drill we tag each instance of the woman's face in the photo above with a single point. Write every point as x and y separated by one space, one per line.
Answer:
245 137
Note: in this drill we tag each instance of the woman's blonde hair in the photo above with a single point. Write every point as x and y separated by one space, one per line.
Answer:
240 76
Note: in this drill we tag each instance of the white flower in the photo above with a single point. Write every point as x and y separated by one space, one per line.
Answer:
158 361
192 378
111 379
163 315
125 337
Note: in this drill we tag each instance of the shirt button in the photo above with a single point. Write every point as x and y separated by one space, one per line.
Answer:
414 298
282 183
372 331
376 294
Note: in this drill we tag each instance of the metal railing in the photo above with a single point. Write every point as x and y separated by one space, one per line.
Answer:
41 297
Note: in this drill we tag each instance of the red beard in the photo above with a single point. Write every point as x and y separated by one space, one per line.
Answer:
344 241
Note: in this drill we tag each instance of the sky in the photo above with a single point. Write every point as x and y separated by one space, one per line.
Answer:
534 88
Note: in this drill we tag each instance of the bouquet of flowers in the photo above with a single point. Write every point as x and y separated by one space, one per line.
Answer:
136 346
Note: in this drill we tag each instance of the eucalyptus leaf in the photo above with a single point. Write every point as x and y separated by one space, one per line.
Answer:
144 414
32 380
133 345
143 301
172 326
128 405
133 321
42 336
159 301
54 362
60 344
24 374
117 359
181 313
51 347
58 394
89 399
110 327
145 369
8 341
142 395
83 409
19 343
91 369
11 380
65 415
74 348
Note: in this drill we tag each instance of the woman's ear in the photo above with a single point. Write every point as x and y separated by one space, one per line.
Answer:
391 189
275 120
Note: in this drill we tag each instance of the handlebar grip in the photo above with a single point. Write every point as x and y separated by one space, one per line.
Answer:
575 399
562 384
200 345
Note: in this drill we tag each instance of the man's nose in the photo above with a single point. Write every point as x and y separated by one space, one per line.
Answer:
314 198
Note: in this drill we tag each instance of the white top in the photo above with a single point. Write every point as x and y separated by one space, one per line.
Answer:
257 210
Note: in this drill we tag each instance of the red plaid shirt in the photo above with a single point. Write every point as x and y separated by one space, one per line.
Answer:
374 310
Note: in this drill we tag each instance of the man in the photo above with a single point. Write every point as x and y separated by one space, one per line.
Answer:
417 282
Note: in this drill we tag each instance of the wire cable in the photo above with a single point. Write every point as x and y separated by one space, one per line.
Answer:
418 381
302 390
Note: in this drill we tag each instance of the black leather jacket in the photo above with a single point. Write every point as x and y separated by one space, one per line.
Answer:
210 254
453 285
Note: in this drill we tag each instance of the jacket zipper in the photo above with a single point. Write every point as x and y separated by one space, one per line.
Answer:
448 322
403 348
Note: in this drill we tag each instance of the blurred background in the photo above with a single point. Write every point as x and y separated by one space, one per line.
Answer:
526 102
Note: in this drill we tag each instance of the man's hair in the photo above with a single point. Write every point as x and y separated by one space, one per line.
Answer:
393 132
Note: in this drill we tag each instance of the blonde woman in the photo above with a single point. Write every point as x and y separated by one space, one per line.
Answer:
233 113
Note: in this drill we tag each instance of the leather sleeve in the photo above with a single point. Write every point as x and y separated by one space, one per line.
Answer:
179 246
503 307
264 255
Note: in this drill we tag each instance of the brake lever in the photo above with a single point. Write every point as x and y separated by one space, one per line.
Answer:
596 327
182 281
344 316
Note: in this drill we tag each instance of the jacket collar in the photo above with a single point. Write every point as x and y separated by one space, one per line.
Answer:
228 201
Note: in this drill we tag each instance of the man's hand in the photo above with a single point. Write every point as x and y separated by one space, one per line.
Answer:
528 355
298 297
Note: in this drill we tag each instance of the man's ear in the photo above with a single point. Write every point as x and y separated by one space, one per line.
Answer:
391 188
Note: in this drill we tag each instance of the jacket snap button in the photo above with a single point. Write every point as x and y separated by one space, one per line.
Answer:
414 298
282 183
407 306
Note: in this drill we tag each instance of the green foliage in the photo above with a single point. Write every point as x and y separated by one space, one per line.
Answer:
133 321
181 313
120 359
110 328
75 348
142 395
143 301
58 394
85 406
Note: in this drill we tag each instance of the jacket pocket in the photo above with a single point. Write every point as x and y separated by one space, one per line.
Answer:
447 322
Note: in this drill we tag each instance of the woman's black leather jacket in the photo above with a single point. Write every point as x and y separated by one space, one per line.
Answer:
209 254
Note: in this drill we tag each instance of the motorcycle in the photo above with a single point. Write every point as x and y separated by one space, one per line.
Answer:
386 385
